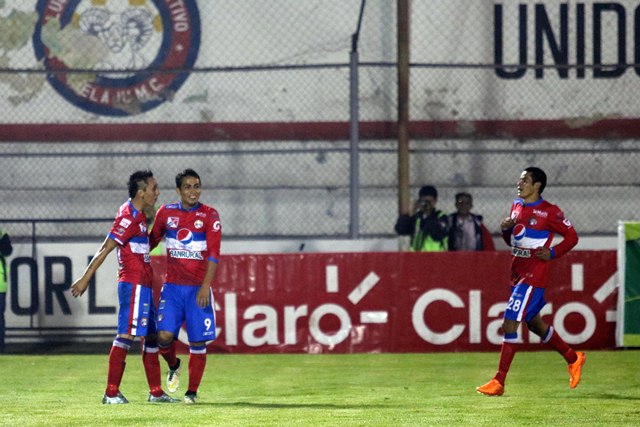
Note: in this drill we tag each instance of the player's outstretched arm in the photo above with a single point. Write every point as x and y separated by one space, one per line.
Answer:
80 285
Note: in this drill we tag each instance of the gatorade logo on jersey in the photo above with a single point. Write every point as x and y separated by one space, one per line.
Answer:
124 43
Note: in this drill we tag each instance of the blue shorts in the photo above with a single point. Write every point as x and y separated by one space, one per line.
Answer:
178 304
136 313
525 302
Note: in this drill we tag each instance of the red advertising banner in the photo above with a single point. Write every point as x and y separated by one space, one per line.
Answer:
399 302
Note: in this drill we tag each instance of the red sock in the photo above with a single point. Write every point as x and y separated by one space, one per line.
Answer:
117 357
554 341
152 369
197 363
507 352
169 354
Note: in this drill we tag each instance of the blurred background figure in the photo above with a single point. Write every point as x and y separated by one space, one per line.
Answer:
5 251
466 230
428 226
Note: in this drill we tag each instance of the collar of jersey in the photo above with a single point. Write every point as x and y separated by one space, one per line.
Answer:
537 202
189 210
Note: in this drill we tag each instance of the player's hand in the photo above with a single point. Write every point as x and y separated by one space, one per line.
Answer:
203 297
543 254
507 223
79 287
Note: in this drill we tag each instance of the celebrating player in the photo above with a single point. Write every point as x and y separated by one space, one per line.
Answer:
529 230
192 234
136 315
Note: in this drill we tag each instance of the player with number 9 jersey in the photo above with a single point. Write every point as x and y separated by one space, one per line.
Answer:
192 233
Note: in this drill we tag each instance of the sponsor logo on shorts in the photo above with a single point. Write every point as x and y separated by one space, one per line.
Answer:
178 253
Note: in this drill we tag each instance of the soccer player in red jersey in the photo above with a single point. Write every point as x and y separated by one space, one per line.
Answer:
529 231
192 233
136 315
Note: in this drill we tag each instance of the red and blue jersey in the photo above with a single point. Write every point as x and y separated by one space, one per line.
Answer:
192 237
536 224
129 231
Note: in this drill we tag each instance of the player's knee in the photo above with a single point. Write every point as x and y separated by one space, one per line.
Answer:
165 337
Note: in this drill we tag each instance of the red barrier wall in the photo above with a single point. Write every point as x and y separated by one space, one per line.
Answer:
399 302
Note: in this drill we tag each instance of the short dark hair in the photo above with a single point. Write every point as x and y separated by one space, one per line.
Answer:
138 181
428 190
463 194
185 173
537 175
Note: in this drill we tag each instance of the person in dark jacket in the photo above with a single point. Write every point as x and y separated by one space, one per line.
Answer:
466 230
5 250
428 226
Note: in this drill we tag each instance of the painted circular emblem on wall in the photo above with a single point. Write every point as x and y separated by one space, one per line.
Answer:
132 55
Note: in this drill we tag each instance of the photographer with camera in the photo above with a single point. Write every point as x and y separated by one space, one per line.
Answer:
428 226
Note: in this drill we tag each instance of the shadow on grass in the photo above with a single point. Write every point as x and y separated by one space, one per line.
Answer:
606 396
289 405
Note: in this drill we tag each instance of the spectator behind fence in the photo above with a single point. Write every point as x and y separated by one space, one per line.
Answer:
466 230
428 226
5 251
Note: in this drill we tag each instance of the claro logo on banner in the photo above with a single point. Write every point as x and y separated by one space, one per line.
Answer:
350 302
140 37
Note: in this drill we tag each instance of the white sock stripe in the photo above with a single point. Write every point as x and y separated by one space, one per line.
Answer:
150 349
198 350
117 343
549 335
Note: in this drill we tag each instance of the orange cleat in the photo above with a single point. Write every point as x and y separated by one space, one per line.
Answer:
492 388
575 369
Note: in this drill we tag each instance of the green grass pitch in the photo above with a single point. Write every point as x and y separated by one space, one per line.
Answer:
330 390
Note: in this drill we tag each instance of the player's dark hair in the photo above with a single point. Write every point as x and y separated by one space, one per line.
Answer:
138 181
537 175
185 173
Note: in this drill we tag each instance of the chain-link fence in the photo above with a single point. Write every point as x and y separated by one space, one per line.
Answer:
256 97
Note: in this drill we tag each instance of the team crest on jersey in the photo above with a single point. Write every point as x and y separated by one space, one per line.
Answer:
198 224
533 221
172 222
126 36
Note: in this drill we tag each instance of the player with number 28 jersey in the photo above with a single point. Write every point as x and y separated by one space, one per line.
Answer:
536 224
